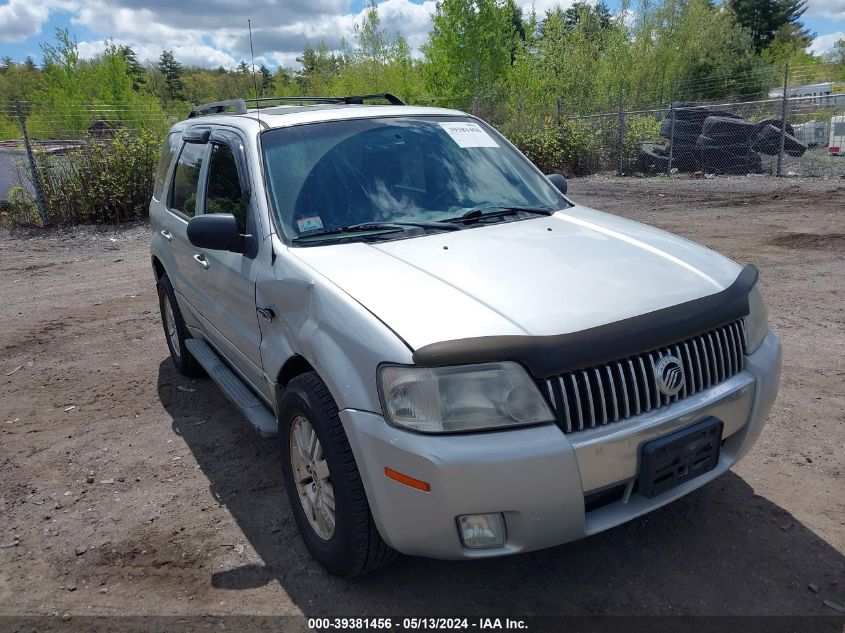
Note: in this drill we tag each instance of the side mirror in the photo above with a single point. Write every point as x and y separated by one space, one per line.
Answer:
559 181
216 231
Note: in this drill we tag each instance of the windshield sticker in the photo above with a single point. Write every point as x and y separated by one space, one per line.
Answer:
469 135
313 223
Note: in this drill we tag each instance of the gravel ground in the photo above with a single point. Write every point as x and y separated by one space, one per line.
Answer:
129 489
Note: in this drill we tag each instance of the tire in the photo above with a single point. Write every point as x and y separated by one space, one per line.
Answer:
767 141
175 330
729 131
761 125
682 129
696 115
353 546
793 146
726 160
650 161
684 160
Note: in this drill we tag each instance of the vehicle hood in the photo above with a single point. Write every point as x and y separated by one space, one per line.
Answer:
571 271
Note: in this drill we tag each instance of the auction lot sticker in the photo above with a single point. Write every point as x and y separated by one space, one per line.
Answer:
469 135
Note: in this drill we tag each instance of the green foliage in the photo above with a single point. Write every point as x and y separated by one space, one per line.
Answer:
171 72
525 73
74 94
377 61
99 182
469 51
20 210
765 20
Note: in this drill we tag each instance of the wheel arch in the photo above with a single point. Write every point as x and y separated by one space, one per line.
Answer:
294 366
158 267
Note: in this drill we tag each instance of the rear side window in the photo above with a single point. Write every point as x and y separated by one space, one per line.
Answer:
224 194
183 195
164 159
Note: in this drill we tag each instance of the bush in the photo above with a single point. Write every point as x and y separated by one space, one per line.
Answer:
98 182
571 147
19 209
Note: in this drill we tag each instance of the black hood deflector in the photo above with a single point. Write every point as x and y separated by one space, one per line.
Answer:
546 356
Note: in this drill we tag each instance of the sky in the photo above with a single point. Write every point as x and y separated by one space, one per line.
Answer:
212 33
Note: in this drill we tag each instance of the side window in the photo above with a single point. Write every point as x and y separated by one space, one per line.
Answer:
183 193
164 159
223 194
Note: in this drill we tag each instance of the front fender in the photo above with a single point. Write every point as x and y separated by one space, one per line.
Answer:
315 319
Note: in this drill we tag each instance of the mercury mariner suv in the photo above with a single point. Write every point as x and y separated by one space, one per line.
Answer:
458 359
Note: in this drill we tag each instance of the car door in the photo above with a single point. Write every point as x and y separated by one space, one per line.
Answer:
227 291
183 199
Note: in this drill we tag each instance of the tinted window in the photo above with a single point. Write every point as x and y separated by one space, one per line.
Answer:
223 194
167 152
381 170
183 196
839 129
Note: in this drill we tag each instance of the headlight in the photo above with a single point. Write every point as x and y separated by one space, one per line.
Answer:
757 322
461 398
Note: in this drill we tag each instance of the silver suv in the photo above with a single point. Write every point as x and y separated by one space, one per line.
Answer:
459 361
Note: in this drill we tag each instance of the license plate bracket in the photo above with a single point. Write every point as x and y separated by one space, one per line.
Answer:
676 458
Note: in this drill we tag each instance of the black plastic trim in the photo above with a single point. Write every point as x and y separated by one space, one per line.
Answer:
546 356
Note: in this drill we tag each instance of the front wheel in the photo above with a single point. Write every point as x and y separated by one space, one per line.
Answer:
323 483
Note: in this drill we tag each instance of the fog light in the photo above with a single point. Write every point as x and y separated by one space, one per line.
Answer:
482 530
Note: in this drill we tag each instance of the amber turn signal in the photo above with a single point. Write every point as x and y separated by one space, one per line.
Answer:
405 479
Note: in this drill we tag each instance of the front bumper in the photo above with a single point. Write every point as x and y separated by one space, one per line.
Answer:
538 477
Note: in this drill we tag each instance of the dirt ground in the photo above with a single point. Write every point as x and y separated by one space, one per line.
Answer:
126 488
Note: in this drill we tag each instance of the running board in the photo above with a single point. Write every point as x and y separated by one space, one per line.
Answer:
233 388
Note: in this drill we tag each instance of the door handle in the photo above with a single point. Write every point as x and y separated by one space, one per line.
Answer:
201 260
166 235
266 313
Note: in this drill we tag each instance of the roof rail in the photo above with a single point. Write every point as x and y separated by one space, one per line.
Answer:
218 107
349 100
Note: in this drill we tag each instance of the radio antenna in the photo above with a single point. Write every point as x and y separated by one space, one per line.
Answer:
254 78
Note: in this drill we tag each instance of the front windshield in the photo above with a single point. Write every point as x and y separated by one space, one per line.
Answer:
394 169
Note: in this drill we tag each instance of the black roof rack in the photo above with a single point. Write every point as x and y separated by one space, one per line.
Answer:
218 107
239 105
349 100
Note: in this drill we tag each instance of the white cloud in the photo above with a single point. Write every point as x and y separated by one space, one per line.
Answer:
210 33
20 20
825 43
827 8
187 54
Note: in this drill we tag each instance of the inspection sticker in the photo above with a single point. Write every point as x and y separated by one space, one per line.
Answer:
312 223
469 135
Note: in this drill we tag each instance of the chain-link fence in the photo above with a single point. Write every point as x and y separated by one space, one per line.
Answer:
784 136
796 136
58 164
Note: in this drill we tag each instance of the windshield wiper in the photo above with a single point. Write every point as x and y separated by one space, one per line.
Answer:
493 211
378 228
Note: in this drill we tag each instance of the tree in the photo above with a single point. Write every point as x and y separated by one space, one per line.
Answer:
319 67
266 81
469 50
599 13
171 70
133 67
764 18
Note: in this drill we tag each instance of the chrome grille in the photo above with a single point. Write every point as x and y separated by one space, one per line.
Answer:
594 396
